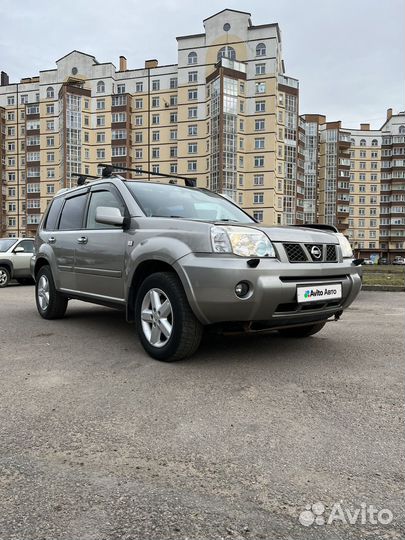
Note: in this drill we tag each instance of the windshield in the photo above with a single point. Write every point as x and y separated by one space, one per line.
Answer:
164 200
6 243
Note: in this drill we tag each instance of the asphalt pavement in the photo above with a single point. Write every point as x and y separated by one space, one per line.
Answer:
100 442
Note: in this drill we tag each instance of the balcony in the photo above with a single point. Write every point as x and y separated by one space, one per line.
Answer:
288 81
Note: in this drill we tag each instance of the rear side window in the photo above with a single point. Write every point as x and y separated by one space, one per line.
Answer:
72 213
53 214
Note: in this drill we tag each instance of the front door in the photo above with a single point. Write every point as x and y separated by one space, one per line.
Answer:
100 251
22 260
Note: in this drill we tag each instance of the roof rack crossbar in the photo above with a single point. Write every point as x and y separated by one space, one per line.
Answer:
108 171
81 178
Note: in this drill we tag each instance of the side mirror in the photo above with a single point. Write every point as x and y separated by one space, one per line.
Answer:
109 216
19 249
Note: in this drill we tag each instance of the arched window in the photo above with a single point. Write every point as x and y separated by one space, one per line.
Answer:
100 87
226 52
50 93
374 142
192 58
260 49
362 142
402 129
352 141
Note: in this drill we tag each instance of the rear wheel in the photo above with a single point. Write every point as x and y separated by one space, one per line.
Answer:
302 331
4 276
166 326
51 304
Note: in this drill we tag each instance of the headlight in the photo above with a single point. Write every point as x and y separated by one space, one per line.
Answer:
241 241
345 246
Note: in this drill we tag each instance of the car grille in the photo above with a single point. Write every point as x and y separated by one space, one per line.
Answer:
297 253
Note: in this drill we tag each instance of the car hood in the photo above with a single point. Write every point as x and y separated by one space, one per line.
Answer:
291 234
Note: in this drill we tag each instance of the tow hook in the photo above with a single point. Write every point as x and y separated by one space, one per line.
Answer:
338 314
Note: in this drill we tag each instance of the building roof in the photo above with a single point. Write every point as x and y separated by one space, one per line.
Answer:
79 52
227 9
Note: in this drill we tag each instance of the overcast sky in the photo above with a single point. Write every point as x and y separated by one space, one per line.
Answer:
347 54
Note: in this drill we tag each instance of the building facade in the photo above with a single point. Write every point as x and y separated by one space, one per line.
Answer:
225 114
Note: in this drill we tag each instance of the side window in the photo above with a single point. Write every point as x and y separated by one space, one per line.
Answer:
53 214
102 198
72 213
28 245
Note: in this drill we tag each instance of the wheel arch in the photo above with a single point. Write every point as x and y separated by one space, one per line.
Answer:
6 263
39 263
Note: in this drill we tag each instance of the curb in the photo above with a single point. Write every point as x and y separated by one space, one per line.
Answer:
385 288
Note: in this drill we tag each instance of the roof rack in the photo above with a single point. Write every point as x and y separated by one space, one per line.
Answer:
81 178
108 170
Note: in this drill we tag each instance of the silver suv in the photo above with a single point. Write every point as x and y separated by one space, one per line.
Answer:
177 259
15 258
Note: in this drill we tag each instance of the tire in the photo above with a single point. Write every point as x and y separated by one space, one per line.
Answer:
4 277
302 331
50 303
176 333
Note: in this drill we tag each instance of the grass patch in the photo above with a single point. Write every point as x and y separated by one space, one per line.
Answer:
384 278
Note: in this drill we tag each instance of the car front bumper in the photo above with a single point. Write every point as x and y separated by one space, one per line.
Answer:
209 282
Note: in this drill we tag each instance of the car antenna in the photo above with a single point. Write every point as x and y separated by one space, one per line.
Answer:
108 171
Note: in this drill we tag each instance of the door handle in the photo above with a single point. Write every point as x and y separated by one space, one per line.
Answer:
82 240
51 240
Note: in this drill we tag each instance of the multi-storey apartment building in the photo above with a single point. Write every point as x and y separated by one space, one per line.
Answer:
326 172
225 114
355 179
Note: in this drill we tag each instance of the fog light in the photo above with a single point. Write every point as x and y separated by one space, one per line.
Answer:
241 289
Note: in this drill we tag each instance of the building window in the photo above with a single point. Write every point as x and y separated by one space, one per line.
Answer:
260 88
121 88
118 117
363 142
192 148
156 169
100 87
260 69
259 161
100 121
401 129
192 112
173 134
173 82
191 166
192 94
258 198
139 87
226 52
50 141
173 118
100 104
138 136
258 180
173 168
138 153
50 93
50 109
260 49
100 137
155 136
138 103
173 101
259 144
192 76
260 106
155 153
155 102
155 119
155 85
192 58
374 142
192 130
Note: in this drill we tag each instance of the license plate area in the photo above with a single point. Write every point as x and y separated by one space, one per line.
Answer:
323 292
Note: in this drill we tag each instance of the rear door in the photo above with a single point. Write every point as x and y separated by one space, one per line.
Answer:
64 238
100 254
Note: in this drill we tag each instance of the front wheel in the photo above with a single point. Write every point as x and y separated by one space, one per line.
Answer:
166 326
302 331
51 304
4 276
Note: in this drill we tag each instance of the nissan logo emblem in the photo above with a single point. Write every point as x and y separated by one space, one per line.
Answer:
316 252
